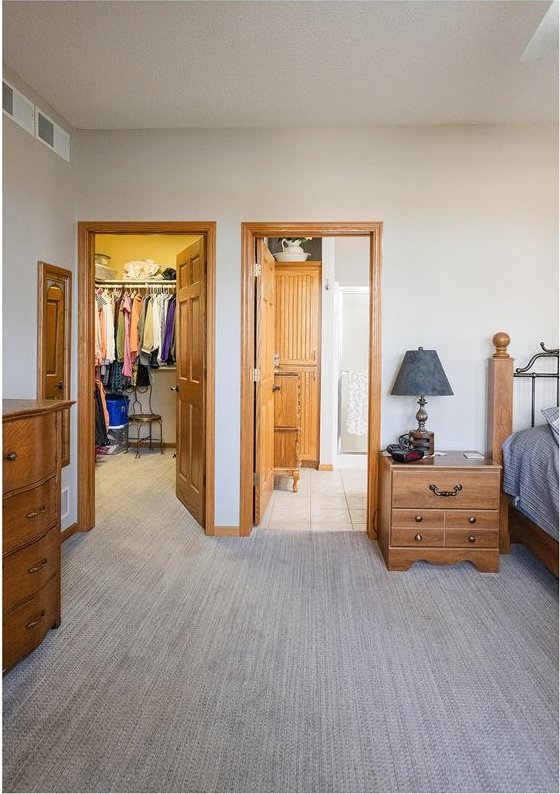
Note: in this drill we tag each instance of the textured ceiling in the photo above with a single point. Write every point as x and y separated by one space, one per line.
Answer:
282 64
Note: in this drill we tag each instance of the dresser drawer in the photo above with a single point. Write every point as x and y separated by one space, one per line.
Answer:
473 519
417 536
25 627
26 571
475 538
28 515
450 489
418 519
30 446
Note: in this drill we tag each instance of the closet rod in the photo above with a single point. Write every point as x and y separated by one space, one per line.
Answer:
110 282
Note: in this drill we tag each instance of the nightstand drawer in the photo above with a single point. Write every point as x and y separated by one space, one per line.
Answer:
423 536
417 519
476 538
440 488
473 519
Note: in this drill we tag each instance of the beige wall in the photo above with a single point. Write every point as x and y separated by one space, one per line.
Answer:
38 224
469 244
351 261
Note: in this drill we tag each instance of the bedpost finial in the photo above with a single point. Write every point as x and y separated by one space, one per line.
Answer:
501 341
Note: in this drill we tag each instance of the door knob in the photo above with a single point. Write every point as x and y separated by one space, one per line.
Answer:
173 388
60 385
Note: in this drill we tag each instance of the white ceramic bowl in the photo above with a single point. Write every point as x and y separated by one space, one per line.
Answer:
284 256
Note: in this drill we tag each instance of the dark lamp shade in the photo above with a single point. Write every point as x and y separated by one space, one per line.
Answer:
421 373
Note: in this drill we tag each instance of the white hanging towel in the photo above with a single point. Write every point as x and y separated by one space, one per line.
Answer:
357 404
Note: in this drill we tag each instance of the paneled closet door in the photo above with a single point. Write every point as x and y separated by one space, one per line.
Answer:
190 331
298 341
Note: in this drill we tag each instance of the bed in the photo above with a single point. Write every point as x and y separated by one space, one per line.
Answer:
529 509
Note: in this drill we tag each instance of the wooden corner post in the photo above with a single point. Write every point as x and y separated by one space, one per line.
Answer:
500 416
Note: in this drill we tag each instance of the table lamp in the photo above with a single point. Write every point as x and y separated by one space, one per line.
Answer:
421 374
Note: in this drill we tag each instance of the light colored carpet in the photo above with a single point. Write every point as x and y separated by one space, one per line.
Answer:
282 662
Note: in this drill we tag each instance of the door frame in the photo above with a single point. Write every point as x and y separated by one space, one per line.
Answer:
250 231
86 350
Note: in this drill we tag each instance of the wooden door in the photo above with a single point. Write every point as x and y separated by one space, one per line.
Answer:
298 342
54 350
191 375
264 391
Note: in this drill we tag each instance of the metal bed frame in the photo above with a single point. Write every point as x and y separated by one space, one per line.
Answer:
525 372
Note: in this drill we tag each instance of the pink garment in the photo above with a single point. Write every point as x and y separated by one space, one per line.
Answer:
126 309
98 331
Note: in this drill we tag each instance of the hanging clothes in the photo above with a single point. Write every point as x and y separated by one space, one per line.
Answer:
134 324
169 333
101 438
127 358
134 334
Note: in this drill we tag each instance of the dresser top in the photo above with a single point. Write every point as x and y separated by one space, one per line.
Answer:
453 459
16 408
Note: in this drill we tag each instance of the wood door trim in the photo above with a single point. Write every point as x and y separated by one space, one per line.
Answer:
68 532
249 232
86 338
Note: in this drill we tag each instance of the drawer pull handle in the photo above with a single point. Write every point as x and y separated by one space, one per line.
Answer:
276 388
10 456
471 538
418 537
37 566
418 519
472 519
37 512
37 620
454 492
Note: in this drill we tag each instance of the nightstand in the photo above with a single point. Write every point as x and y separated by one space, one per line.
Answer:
443 509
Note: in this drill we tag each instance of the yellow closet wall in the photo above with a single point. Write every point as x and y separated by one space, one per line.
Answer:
122 248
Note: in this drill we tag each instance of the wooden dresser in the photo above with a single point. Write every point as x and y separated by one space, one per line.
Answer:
442 510
287 424
31 523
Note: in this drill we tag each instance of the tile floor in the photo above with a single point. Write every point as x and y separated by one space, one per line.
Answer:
327 501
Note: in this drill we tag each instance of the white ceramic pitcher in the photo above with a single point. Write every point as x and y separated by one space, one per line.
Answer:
291 246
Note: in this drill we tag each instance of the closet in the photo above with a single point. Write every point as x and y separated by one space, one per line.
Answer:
143 375
135 337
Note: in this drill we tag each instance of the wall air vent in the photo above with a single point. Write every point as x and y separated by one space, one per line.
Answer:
18 107
52 135
22 110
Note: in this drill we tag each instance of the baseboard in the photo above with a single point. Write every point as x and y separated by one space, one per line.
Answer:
226 532
68 532
326 467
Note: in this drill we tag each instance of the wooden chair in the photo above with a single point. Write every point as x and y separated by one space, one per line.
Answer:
139 418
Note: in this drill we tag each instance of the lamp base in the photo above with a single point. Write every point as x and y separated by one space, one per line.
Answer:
422 439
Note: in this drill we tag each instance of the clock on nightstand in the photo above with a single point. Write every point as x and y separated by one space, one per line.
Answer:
440 509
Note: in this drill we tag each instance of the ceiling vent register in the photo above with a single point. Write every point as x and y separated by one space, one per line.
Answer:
21 110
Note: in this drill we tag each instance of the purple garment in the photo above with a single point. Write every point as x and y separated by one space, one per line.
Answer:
169 331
